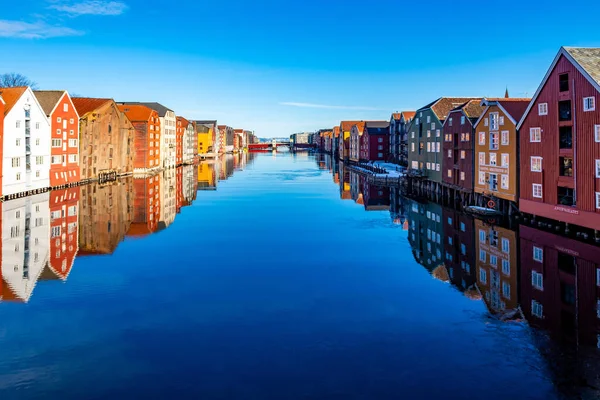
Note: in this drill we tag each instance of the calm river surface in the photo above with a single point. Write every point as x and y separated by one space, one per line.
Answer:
292 280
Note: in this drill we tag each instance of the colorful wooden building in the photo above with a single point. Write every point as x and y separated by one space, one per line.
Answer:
559 285
208 137
356 132
497 276
106 138
225 139
376 198
458 130
207 177
496 152
399 123
375 141
64 129
560 142
425 140
146 139
179 133
64 230
344 141
146 206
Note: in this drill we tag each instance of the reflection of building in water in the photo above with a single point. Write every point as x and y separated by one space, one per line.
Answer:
398 208
189 184
225 166
336 171
559 285
207 178
425 234
376 198
459 250
345 193
25 245
496 252
168 192
64 235
105 214
356 188
178 190
320 158
146 206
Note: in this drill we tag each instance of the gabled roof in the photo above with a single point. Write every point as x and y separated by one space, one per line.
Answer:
472 109
48 99
442 106
396 116
184 122
336 131
514 108
408 115
587 62
11 96
136 113
206 122
377 127
84 105
159 108
360 126
345 126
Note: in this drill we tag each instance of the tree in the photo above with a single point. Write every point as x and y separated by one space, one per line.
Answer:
13 79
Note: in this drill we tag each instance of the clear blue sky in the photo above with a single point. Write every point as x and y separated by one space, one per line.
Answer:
279 67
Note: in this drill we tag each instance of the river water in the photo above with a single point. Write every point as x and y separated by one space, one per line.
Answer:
280 276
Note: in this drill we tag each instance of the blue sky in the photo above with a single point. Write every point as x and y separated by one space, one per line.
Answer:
279 67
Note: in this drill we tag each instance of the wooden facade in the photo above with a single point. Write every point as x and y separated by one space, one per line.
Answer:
497 277
560 142
182 124
496 148
376 198
344 143
207 136
559 285
146 139
457 146
106 138
64 130
375 141
354 142
399 123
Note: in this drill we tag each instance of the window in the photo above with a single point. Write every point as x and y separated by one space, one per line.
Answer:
437 167
462 176
437 147
563 82
462 120
481 179
428 118
506 290
72 142
493 159
566 196
432 125
564 110
493 184
538 254
537 309
55 231
482 138
504 181
380 147
37 174
71 121
485 122
494 141
16 162
58 119
537 190
428 147
482 276
412 135
536 164
58 131
482 158
428 165
56 142
565 134
597 199
566 166
505 138
450 122
505 159
463 227
597 133
37 125
39 160
506 267
463 154
380 155
37 142
493 259
380 140
494 122
415 164
467 137
412 147
18 124
589 104
450 242
73 158
543 109
18 142
56 160
482 256
449 153
428 133
449 173
537 280
65 107
535 134
438 133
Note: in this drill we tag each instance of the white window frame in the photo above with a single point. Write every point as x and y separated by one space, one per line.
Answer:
462 175
449 153
494 140
482 236
505 138
437 167
543 109
589 104
481 158
481 138
538 254
597 133
506 290
505 159
483 276
481 179
506 267
463 154
504 181
449 173
462 119
535 135
597 168
536 164
505 245
537 309
598 200
537 187
493 159
537 280
494 121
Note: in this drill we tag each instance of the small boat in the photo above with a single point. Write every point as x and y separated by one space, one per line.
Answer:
482 211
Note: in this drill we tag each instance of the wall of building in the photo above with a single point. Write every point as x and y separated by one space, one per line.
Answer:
64 161
457 154
423 141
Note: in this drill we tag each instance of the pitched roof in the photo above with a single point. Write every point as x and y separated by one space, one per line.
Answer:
84 105
336 131
48 99
377 126
11 96
360 125
184 122
206 122
472 109
442 106
136 113
397 116
347 125
514 107
588 58
159 108
408 115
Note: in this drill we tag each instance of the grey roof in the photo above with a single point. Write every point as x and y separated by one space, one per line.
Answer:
377 127
206 122
48 99
588 58
159 108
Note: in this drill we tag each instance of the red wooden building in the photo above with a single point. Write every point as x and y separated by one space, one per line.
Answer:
1 147
560 142
375 141
64 218
64 124
146 139
182 124
458 165
559 285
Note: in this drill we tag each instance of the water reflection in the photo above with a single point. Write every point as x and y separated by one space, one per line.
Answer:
43 234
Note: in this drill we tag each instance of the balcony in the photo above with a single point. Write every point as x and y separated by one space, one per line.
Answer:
566 196
27 132
566 137
566 166
564 110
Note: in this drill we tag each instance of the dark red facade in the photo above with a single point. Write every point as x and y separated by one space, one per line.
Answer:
568 145
374 145
375 197
564 298
459 249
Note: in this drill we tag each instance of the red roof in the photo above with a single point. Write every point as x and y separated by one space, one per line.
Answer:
84 105
515 107
184 122
136 113
347 125
408 115
11 96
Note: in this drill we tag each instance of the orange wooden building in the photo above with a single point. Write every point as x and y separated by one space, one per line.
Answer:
64 124
182 124
1 141
146 140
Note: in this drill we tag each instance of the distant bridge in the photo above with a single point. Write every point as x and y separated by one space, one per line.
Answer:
273 145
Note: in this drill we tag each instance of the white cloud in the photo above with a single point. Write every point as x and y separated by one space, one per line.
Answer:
35 30
311 105
90 7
